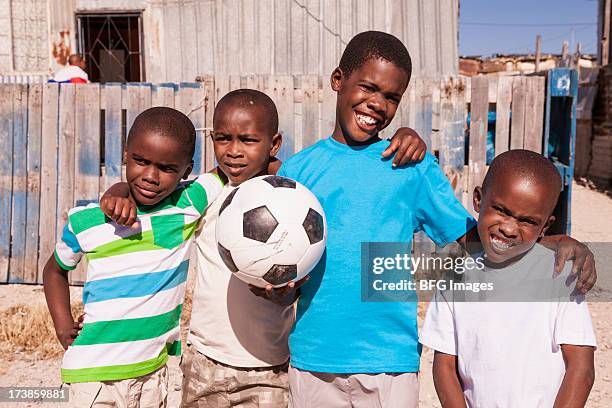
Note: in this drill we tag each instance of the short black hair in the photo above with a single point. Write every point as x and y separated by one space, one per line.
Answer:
527 165
169 123
375 45
251 98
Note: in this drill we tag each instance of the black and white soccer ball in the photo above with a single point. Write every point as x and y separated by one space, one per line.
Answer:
271 230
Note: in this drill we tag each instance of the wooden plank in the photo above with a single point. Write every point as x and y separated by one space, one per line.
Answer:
478 132
18 216
534 114
254 82
310 110
190 101
502 115
6 177
113 140
235 82
138 100
33 182
452 131
222 86
48 182
427 110
87 144
328 109
87 155
435 117
163 95
282 30
517 129
209 108
65 172
280 89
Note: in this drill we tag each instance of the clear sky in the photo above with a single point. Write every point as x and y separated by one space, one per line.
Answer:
510 26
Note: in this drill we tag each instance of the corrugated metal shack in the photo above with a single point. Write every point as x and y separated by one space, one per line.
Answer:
179 40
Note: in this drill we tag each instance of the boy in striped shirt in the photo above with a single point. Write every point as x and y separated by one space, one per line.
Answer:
135 276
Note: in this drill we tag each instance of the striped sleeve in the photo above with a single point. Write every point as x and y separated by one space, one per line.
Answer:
203 191
68 251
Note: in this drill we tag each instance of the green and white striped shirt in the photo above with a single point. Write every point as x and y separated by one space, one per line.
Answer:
135 283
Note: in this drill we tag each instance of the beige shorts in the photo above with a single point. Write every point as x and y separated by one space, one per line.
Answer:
209 383
148 391
385 390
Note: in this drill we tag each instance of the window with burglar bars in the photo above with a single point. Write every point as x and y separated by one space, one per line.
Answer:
112 45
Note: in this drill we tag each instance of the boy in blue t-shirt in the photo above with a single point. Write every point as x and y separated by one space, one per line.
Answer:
344 350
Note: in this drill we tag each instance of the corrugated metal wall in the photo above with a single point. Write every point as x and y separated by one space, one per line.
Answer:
187 38
184 39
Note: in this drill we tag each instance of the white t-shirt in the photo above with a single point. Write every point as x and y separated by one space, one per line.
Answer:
228 322
508 353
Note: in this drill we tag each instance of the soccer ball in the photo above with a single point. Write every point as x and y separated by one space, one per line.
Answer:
271 230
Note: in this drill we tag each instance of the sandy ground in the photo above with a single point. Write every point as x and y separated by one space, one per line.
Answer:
591 222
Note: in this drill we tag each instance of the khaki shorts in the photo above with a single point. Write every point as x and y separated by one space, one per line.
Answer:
209 383
385 390
148 391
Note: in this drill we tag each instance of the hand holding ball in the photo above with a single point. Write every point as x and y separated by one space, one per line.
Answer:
271 231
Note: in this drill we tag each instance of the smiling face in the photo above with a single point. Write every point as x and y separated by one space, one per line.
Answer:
514 213
367 100
154 166
244 142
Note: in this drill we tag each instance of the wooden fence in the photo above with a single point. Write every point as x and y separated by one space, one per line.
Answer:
61 145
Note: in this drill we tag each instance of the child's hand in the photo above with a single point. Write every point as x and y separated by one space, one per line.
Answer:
122 210
67 336
407 146
283 296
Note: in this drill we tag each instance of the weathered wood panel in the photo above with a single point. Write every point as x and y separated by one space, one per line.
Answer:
478 132
6 177
48 183
18 216
33 182
71 167
502 116
113 140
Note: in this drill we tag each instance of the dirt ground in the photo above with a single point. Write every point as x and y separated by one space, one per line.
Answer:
591 222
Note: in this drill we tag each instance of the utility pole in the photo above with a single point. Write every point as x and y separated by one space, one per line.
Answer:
605 34
565 54
538 52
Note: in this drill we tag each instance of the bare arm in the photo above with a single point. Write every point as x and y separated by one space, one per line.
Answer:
57 293
446 381
579 376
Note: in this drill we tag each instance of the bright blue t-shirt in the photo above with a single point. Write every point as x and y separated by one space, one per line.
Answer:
365 200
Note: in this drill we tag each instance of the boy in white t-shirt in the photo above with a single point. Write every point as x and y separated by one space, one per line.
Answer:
532 343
